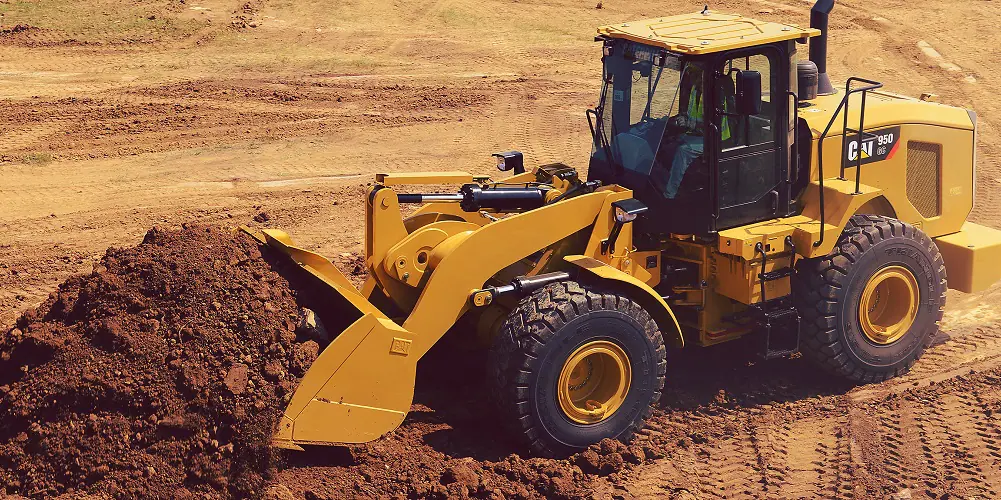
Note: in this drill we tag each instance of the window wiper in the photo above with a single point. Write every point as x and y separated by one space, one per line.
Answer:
651 88
598 132
619 168
598 127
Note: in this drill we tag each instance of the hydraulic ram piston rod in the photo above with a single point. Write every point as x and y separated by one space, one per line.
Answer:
430 198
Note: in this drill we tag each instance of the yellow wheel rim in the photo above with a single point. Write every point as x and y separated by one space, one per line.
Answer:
889 304
594 382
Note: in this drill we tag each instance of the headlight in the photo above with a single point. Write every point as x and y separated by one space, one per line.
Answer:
510 160
623 216
627 210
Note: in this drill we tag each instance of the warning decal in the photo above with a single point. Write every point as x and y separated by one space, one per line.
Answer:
875 146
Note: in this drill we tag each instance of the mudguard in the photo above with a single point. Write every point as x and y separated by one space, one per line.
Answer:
638 291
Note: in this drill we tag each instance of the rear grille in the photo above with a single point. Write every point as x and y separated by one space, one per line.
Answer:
924 177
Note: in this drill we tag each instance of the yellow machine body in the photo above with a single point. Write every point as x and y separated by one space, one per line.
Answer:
436 265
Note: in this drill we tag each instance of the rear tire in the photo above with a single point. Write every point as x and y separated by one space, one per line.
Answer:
604 348
872 306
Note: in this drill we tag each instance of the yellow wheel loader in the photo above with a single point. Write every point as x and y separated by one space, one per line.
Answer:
732 191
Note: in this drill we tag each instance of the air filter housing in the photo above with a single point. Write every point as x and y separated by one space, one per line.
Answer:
808 78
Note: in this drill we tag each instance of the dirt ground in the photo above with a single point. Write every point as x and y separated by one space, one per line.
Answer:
115 117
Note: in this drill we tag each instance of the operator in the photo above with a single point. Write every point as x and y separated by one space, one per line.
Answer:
684 136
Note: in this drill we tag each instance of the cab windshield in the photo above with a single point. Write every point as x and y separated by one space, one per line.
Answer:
649 120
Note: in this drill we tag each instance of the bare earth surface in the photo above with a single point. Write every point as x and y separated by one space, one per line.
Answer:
115 117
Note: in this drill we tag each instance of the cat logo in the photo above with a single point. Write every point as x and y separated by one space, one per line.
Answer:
875 146
853 150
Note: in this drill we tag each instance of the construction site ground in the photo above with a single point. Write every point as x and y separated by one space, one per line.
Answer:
119 116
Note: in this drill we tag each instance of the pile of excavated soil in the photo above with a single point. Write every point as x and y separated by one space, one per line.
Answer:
159 374
164 371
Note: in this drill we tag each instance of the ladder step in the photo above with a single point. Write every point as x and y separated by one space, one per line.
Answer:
697 304
781 329
777 274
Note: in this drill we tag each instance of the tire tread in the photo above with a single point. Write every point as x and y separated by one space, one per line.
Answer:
536 320
818 298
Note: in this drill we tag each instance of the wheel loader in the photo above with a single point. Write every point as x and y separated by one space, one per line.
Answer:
732 192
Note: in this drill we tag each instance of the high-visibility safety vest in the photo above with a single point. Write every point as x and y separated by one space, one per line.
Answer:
695 111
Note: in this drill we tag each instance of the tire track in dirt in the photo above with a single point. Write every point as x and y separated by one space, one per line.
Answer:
771 446
958 348
732 468
842 463
931 432
966 443
941 444
936 440
809 445
905 446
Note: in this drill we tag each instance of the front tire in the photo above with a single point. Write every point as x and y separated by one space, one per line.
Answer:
573 365
872 306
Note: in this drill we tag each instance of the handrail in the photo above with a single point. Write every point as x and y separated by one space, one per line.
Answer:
793 176
861 127
758 247
871 85
714 178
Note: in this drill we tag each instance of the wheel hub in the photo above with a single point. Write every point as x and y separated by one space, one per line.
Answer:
594 382
889 304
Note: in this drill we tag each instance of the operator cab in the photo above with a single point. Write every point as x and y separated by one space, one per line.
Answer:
699 132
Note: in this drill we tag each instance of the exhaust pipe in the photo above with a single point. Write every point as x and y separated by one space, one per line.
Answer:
818 44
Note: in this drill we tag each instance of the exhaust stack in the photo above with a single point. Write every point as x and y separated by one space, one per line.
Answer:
818 45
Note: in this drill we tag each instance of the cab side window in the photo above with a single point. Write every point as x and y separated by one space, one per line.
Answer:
748 170
751 130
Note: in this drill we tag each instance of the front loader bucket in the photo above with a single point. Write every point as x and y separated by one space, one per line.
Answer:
362 384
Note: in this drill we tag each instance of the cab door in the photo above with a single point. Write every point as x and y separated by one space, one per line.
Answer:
750 171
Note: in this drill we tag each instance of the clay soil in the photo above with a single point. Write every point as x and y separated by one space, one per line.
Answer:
162 372
118 117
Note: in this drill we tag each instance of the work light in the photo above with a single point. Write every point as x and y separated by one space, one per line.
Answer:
510 160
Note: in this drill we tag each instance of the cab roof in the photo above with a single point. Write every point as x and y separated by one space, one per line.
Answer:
706 32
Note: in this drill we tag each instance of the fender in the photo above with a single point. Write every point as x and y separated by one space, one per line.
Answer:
842 202
811 240
638 290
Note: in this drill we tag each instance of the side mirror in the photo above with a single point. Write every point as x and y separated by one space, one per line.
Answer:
748 92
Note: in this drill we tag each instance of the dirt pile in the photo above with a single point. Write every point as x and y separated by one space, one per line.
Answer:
161 372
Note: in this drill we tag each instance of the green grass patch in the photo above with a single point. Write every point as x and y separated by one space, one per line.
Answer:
102 20
37 159
458 18
288 59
